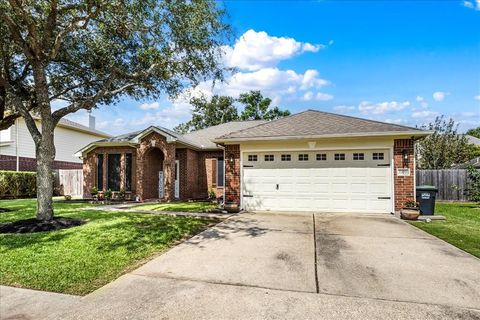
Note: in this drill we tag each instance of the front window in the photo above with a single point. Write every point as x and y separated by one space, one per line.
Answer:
220 172
128 172
100 171
113 179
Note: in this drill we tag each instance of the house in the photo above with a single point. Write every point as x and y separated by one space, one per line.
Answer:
17 149
309 161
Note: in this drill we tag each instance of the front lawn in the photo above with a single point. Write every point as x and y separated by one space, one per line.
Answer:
81 259
462 227
181 206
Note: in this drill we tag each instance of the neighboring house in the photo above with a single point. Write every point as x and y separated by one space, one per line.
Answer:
310 161
17 149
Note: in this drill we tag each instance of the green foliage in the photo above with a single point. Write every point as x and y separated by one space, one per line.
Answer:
207 113
444 148
108 194
258 108
211 194
474 132
94 191
473 188
81 259
17 184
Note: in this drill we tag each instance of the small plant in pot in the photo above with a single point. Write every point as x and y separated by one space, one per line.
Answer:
230 205
94 193
108 195
410 211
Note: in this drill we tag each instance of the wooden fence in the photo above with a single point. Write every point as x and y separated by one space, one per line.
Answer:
69 182
451 183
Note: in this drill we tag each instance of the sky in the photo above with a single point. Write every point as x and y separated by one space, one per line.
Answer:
403 62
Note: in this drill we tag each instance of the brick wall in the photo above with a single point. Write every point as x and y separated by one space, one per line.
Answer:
207 173
90 168
232 172
30 164
404 186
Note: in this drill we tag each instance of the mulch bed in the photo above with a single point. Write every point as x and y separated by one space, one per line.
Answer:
34 225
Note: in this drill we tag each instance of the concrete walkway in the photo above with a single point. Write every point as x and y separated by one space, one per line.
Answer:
298 266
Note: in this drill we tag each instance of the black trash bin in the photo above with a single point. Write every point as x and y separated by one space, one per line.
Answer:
426 199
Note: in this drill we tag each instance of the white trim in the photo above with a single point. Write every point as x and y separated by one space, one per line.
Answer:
335 135
241 177
392 165
176 192
384 146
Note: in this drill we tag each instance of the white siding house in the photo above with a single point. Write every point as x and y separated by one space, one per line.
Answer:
70 137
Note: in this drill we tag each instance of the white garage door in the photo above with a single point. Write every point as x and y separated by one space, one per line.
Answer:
330 181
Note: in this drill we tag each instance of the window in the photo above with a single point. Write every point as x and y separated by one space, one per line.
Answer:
269 157
128 172
339 156
286 157
220 172
378 156
321 156
252 157
6 135
113 179
358 156
303 157
100 172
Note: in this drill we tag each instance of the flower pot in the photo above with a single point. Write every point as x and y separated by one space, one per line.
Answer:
410 213
231 207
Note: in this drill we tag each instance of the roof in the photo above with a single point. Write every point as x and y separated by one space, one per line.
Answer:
473 140
200 139
79 127
313 123
205 137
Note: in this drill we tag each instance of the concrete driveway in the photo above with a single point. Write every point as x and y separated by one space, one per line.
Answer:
296 266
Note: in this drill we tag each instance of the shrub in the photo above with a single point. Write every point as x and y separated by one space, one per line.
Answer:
18 184
473 188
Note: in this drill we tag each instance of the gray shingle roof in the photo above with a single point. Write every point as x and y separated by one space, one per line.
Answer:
204 137
316 123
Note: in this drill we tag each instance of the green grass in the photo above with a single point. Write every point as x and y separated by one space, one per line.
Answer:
192 206
462 227
81 259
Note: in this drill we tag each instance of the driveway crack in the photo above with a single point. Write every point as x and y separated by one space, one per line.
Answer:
315 253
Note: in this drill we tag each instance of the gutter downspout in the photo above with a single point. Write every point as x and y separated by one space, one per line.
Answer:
16 146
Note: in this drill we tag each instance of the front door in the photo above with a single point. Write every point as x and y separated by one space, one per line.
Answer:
177 179
160 185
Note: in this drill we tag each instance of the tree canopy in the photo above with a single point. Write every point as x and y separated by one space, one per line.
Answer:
222 109
445 147
475 132
91 52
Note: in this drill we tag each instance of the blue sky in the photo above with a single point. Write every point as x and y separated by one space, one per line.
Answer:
396 61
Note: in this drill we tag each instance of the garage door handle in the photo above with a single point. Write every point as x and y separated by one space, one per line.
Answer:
383 198
277 186
383 165
247 196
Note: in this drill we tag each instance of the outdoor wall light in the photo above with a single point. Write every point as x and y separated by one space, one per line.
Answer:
231 158
405 157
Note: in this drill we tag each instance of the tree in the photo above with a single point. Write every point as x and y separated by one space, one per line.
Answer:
475 132
257 107
207 113
444 148
473 188
90 52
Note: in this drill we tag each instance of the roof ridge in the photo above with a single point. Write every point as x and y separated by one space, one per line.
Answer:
225 123
358 118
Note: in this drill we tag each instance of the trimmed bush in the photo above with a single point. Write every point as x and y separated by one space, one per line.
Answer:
20 184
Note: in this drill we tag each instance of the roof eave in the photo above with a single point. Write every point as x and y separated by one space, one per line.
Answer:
82 152
416 134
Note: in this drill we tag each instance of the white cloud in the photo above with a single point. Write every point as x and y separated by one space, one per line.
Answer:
475 4
424 114
320 96
149 106
344 109
272 82
439 95
256 50
477 97
397 121
382 107
422 101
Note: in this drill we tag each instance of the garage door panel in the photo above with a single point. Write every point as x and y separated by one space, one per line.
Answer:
336 186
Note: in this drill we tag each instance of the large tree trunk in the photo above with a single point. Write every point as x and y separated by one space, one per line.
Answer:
45 157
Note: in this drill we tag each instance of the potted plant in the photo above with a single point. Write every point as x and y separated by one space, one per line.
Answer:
107 195
121 195
94 193
230 205
410 211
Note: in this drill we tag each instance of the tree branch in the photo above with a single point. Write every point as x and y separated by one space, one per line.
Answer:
16 35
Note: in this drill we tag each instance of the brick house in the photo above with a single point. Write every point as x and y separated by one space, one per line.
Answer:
310 161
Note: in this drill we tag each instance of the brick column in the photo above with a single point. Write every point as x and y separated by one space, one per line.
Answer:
169 172
403 185
232 172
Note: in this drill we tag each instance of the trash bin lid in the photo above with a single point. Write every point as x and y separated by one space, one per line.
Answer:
427 188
